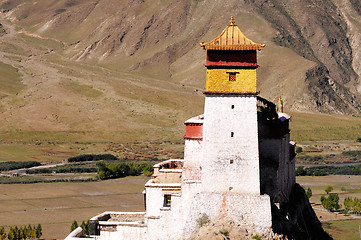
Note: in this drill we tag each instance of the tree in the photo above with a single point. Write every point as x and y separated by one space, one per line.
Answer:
331 203
328 189
309 193
33 233
2 233
38 231
86 228
22 234
74 226
11 235
29 229
348 204
300 171
357 205
16 233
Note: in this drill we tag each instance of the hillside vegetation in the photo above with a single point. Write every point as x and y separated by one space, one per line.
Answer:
122 71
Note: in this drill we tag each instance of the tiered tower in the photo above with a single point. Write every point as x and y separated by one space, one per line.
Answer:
230 131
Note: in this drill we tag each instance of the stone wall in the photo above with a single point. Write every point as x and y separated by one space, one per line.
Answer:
123 231
248 211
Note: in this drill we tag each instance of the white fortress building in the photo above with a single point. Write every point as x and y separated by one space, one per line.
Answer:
238 159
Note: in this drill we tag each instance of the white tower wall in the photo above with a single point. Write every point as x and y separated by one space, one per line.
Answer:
230 150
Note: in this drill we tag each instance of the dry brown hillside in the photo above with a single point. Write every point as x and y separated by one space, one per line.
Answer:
135 66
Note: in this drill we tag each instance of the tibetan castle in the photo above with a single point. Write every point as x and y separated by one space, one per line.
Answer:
238 166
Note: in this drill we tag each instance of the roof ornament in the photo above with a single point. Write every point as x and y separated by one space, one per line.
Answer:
232 22
280 105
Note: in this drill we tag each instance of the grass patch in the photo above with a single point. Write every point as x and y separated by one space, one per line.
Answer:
81 89
344 229
10 80
41 43
14 58
12 49
17 152
321 127
48 136
37 179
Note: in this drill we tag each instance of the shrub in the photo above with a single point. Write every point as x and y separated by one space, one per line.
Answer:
225 233
202 220
12 165
328 189
92 157
118 170
309 193
256 236
299 149
300 171
351 153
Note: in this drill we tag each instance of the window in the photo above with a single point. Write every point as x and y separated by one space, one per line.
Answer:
232 134
232 76
231 161
167 200
232 107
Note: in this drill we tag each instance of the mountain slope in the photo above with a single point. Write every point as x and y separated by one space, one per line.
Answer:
131 64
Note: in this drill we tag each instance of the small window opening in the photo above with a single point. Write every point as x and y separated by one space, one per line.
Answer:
232 107
232 77
230 188
232 134
231 161
167 200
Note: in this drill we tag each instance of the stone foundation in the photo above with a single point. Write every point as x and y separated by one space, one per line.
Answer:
247 211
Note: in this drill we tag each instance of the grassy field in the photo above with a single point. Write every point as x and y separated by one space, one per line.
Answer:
338 225
344 229
324 127
56 205
55 146
47 152
10 80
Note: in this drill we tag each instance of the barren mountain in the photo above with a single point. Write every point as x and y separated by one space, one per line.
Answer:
136 65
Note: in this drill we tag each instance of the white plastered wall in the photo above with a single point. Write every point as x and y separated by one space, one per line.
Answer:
230 163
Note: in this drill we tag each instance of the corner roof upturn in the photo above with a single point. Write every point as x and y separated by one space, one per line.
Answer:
232 38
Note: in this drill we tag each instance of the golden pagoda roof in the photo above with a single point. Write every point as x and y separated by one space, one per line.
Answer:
232 38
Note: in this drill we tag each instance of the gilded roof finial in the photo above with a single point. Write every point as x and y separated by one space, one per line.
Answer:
231 22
